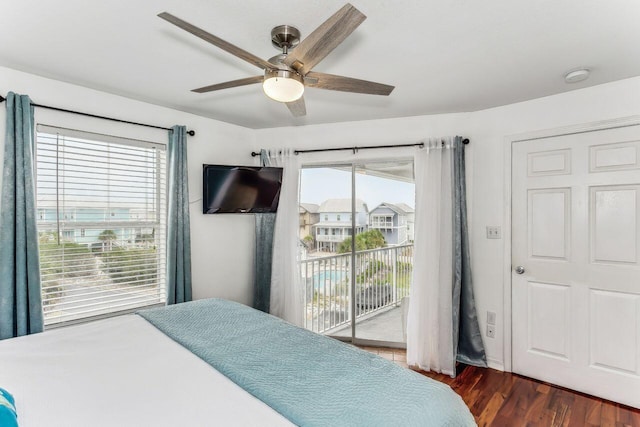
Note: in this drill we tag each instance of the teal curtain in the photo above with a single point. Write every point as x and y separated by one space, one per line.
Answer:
178 228
20 293
467 339
265 226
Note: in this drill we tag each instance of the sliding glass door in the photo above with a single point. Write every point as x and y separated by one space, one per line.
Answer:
325 223
356 289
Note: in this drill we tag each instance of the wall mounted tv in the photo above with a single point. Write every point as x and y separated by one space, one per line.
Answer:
240 189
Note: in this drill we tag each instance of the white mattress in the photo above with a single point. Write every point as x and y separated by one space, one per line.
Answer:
121 372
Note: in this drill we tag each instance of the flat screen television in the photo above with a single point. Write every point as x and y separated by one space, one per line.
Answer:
240 189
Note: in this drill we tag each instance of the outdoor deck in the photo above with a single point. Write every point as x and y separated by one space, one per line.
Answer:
385 326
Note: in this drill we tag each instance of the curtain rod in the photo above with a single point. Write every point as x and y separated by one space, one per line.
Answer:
189 132
355 149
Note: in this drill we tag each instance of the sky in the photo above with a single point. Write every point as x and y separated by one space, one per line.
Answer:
320 184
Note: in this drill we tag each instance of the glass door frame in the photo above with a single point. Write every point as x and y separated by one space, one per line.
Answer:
353 165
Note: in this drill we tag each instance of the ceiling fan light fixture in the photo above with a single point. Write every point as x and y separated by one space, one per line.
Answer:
283 85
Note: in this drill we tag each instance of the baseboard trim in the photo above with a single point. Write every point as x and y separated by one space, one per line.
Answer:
495 364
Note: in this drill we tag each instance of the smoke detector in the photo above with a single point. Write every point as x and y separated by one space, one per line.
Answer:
576 76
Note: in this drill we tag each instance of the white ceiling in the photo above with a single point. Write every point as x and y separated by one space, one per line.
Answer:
442 56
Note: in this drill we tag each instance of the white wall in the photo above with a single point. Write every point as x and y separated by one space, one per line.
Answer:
491 129
222 245
487 130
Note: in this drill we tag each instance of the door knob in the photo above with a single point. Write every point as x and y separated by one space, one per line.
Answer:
519 269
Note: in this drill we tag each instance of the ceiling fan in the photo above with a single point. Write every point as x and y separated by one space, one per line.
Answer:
286 75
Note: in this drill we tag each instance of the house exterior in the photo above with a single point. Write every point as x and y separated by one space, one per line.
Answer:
309 216
84 224
392 220
411 220
335 222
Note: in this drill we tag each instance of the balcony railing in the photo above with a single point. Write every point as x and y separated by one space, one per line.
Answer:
381 224
382 276
331 238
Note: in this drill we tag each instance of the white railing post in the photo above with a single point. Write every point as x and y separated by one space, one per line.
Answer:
394 272
350 275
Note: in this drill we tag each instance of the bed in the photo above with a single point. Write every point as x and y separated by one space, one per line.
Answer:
212 362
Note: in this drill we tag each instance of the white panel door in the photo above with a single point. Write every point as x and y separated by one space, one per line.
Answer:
576 237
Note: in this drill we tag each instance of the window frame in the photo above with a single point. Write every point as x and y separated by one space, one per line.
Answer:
73 224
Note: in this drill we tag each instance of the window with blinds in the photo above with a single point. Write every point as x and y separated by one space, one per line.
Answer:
101 216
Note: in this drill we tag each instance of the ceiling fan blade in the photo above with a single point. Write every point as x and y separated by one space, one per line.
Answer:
324 39
216 41
297 108
232 83
345 84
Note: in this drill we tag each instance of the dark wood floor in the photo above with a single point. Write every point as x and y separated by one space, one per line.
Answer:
498 398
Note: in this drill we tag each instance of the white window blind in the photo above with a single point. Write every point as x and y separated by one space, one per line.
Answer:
101 203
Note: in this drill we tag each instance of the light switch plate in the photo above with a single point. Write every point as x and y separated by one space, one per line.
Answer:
491 318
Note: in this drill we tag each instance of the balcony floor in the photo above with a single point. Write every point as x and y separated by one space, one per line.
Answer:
385 325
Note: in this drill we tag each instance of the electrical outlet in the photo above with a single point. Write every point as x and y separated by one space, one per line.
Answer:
491 318
491 331
494 232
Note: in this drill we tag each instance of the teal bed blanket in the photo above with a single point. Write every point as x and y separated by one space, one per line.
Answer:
310 379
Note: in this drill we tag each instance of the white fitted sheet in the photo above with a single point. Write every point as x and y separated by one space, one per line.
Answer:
121 371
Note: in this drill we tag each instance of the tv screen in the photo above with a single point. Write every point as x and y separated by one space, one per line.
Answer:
240 189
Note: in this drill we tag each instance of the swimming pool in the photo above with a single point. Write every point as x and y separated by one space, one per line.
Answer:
328 278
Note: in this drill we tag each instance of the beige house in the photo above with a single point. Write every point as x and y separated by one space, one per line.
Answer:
308 217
